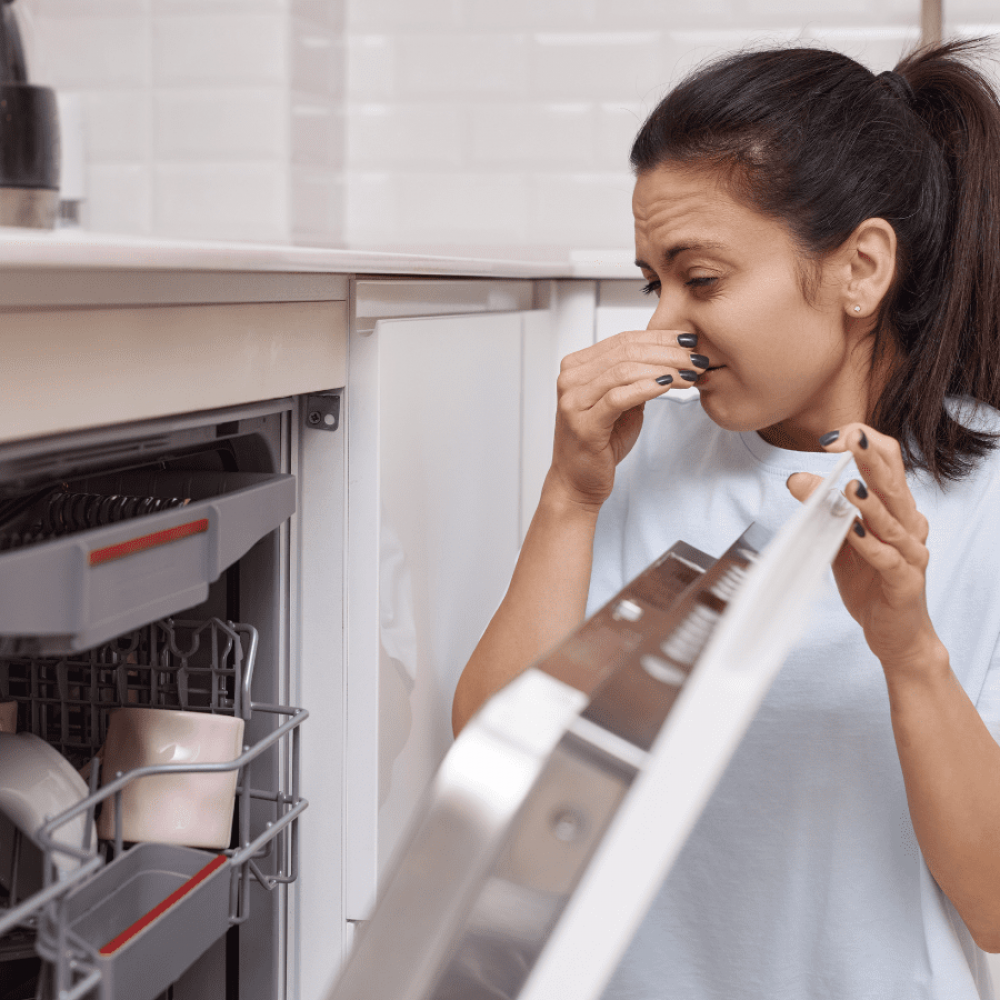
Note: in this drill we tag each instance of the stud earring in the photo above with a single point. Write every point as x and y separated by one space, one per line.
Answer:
857 309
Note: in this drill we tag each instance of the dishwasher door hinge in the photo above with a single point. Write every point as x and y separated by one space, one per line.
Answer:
322 411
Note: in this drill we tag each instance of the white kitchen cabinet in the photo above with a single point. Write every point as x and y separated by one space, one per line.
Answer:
449 435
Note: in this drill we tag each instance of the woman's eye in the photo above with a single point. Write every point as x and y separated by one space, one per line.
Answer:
653 286
700 282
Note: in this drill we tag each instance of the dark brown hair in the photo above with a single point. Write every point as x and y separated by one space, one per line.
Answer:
818 141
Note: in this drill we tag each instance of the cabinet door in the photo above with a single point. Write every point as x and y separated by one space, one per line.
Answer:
434 526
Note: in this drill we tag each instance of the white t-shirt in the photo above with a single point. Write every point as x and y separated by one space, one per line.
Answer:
803 879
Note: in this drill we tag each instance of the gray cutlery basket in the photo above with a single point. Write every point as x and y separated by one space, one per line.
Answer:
145 918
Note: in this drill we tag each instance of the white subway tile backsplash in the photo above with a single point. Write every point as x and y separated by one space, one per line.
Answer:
118 125
401 15
404 121
371 67
595 65
233 200
201 124
88 52
371 209
647 14
86 8
382 135
318 133
521 15
526 133
119 198
461 65
318 60
781 13
217 7
191 50
981 11
330 12
317 206
687 50
582 210
878 48
617 126
466 206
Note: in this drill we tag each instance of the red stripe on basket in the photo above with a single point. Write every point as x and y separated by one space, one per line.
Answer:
157 911
144 542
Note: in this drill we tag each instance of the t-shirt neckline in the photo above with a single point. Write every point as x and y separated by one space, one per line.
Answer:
785 461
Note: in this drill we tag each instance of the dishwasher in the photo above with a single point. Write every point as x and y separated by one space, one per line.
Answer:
142 566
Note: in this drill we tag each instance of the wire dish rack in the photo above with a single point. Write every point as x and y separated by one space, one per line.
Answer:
118 921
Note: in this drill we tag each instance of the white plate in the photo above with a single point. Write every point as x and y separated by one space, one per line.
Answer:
36 783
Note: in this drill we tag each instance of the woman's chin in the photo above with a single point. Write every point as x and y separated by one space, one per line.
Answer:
730 417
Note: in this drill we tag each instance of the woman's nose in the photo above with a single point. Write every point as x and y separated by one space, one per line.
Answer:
669 315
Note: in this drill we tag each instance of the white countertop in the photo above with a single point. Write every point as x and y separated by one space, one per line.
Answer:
79 249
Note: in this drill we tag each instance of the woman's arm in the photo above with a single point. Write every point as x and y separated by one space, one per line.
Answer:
601 391
950 762
951 767
546 599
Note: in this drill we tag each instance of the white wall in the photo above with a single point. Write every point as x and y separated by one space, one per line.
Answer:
430 123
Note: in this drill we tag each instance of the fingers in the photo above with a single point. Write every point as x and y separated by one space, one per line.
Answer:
891 534
673 347
802 484
628 359
880 461
879 537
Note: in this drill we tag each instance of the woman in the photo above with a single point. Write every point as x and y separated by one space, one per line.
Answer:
825 247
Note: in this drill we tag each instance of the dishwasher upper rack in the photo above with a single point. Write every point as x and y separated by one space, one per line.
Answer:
176 664
198 666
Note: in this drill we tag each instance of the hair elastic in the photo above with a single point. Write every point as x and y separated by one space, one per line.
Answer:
898 84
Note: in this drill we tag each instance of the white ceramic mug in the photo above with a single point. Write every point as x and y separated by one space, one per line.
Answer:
195 810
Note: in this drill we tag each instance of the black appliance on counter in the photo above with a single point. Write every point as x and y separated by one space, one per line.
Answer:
29 136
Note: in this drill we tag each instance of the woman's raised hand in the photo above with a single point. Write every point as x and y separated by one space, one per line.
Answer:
881 568
602 391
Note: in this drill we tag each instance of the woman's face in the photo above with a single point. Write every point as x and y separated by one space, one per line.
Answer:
779 363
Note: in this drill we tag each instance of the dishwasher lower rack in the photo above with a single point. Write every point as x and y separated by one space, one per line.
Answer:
127 920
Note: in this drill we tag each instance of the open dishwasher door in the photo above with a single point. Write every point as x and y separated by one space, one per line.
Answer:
559 810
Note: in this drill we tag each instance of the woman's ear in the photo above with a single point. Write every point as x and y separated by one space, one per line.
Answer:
870 260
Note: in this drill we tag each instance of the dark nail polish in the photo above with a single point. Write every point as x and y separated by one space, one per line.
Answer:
861 493
688 375
664 380
864 441
859 529
700 361
829 438
688 340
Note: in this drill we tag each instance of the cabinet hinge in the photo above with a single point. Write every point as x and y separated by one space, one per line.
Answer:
322 411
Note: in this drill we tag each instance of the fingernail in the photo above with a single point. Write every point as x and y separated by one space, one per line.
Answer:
861 493
664 380
700 361
688 340
829 438
859 529
688 375
864 441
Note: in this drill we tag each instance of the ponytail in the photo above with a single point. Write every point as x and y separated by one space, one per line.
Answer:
957 350
816 140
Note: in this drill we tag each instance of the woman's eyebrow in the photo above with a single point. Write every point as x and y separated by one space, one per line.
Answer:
675 251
